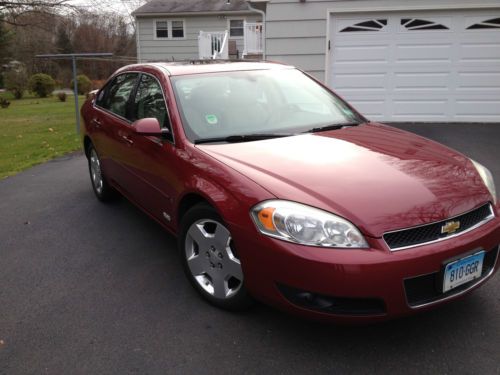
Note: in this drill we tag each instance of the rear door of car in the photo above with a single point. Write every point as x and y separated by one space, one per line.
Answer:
114 139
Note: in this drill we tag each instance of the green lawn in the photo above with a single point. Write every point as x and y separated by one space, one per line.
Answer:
34 130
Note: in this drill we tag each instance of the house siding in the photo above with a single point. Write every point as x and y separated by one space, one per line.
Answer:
151 49
296 32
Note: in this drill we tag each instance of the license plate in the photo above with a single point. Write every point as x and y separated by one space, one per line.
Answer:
463 270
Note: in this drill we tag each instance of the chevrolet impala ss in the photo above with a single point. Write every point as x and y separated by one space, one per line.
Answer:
278 190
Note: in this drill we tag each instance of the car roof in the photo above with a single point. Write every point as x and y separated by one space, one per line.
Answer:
207 66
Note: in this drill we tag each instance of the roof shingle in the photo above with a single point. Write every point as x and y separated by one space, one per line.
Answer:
191 6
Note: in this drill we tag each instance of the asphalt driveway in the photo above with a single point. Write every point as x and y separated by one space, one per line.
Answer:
87 288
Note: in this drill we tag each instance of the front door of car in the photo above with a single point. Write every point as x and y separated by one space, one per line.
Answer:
152 158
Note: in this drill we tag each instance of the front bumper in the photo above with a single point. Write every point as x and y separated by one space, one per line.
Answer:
364 284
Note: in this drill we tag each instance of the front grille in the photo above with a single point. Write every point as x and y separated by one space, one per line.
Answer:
333 305
428 288
432 232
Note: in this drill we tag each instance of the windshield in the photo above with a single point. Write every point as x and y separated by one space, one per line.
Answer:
280 102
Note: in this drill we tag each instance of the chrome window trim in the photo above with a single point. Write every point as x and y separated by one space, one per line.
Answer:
490 217
139 73
479 282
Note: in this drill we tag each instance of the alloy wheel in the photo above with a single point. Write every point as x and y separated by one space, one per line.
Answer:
212 260
95 171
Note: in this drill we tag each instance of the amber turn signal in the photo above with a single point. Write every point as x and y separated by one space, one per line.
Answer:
266 218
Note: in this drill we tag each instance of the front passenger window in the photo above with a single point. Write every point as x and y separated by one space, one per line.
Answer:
149 101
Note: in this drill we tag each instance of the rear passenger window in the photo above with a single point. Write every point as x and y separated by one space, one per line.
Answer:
116 96
149 101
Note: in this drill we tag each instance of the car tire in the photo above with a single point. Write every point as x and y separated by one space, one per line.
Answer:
103 191
210 260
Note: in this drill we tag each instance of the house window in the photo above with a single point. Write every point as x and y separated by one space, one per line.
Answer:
162 29
169 29
177 29
236 28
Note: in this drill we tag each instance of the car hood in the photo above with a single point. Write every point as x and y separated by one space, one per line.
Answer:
378 177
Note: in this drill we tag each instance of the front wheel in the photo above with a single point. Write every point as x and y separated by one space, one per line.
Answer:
210 259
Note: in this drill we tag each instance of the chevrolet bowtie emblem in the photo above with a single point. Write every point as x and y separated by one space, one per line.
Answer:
450 227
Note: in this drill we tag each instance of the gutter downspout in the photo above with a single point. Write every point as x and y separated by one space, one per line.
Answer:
137 39
263 14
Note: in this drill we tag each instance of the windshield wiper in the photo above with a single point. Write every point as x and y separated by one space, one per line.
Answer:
331 127
241 138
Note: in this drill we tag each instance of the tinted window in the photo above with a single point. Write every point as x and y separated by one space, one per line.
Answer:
115 97
149 101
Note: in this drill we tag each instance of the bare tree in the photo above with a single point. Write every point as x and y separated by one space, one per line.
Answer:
58 30
14 11
124 7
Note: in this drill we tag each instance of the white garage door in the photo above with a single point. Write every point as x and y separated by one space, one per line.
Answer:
418 66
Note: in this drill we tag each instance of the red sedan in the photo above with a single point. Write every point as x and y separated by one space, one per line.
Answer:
279 190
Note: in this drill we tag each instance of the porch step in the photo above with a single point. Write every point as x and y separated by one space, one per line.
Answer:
253 56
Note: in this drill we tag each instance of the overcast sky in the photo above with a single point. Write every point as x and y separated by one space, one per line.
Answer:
120 6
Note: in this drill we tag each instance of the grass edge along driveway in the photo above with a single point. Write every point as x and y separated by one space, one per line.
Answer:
34 130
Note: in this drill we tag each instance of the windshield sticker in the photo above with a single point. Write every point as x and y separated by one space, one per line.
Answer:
211 119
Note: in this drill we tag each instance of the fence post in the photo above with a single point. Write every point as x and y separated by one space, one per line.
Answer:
75 92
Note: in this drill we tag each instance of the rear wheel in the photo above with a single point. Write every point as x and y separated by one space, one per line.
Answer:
103 191
210 259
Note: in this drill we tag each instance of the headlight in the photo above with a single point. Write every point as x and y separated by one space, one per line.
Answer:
487 179
305 225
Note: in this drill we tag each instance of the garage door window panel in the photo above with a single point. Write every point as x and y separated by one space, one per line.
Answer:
493 23
412 24
369 25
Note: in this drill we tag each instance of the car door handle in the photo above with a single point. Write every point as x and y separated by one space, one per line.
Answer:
127 140
96 122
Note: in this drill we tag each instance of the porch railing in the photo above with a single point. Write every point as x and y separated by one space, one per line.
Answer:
253 38
213 45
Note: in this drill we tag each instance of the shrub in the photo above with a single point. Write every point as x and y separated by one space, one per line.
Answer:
98 83
4 103
16 81
84 84
62 96
42 84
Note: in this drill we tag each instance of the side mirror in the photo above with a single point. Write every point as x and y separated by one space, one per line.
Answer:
149 126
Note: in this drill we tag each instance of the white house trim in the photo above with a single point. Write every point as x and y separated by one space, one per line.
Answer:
184 14
398 8
137 39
